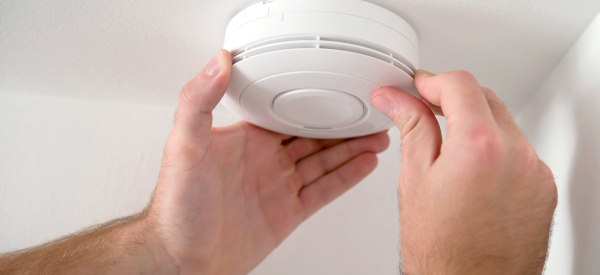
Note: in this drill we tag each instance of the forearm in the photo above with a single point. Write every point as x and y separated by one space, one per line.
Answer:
123 246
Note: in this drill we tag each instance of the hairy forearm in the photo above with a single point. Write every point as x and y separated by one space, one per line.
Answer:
123 246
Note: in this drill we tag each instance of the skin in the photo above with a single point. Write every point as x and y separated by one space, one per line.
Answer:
480 202
227 197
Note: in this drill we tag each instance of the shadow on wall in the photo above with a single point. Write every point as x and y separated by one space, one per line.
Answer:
584 187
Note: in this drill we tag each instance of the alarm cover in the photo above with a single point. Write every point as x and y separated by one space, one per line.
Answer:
308 67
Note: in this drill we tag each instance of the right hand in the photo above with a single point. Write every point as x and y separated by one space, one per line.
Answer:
481 202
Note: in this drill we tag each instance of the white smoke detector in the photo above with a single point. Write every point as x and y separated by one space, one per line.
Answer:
308 67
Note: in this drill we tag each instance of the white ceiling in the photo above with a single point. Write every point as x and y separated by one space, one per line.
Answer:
144 51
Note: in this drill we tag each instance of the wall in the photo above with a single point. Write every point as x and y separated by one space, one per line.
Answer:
562 120
66 164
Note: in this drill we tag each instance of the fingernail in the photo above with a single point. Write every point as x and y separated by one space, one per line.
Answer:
214 66
384 105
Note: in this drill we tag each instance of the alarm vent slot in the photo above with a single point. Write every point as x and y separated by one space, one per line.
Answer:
322 43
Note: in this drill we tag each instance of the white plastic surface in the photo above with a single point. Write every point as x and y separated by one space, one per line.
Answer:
309 67
323 24
318 108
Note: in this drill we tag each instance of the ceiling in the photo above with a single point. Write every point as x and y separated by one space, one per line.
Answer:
144 51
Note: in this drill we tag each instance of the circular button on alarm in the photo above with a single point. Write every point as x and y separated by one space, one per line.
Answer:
318 108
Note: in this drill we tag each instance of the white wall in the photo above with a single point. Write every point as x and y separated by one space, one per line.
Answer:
66 164
562 120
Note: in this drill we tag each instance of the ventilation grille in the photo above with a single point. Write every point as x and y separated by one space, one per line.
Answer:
321 42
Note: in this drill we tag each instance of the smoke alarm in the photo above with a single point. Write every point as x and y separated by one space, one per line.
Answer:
308 67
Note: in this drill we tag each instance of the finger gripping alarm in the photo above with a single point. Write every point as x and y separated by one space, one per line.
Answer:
308 67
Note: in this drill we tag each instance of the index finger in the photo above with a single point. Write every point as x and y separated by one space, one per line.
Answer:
462 101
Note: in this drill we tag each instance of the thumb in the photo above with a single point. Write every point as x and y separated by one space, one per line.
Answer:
419 130
198 98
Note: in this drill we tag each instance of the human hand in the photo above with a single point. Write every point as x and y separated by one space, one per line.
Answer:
481 202
226 197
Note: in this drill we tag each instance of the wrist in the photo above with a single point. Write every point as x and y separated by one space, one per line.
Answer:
139 238
466 264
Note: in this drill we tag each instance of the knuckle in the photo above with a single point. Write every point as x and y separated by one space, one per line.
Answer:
528 159
487 90
461 75
406 123
286 163
554 194
186 93
486 144
409 122
489 94
546 172
548 183
494 103
492 99
415 129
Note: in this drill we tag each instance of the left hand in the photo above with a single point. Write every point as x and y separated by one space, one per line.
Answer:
227 197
